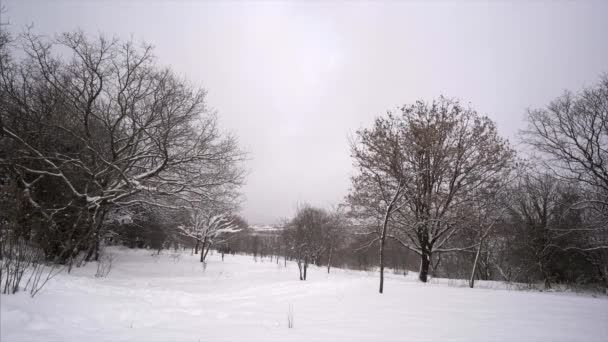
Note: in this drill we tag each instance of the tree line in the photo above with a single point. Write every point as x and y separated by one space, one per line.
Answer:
435 181
99 144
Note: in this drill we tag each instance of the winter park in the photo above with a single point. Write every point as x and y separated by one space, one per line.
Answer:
303 171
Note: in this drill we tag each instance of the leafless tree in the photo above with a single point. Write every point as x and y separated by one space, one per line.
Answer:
379 188
484 214
444 155
305 236
106 126
536 210
335 234
209 228
453 154
571 135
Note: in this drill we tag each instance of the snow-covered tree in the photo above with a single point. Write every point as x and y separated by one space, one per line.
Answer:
87 125
208 229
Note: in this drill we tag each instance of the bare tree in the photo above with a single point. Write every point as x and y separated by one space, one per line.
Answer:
571 135
305 236
536 209
444 155
379 187
106 126
335 234
572 132
453 153
484 214
208 228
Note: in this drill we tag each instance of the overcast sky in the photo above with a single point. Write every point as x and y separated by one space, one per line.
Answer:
294 79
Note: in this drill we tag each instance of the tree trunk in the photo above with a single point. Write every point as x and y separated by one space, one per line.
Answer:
300 268
435 266
198 242
382 240
206 251
545 275
603 272
203 250
425 262
383 243
305 268
97 234
387 215
472 279
329 260
93 253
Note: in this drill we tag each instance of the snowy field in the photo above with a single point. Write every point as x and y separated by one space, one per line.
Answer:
172 298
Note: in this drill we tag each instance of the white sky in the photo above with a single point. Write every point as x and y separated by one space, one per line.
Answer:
294 79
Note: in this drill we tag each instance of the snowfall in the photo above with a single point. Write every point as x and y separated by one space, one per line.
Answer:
173 297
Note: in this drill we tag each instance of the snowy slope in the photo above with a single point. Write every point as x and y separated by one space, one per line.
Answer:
171 298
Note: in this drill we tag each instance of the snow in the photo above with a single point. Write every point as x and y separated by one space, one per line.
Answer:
268 228
172 297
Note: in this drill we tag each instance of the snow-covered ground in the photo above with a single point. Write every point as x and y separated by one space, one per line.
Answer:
172 298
